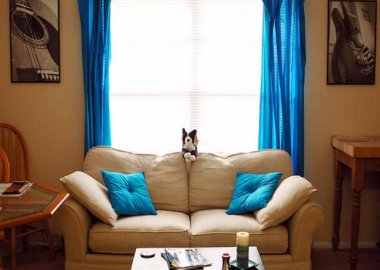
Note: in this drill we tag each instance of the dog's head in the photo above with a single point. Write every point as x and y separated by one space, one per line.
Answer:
189 138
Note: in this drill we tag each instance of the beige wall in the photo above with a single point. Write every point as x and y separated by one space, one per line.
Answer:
336 110
51 116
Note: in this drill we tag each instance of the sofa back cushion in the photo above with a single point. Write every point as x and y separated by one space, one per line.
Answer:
212 176
166 175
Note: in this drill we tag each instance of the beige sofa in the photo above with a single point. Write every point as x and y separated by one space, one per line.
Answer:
191 203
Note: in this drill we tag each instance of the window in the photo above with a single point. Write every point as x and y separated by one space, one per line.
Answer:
185 63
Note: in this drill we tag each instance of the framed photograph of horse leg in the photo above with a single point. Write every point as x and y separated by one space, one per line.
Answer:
351 44
34 38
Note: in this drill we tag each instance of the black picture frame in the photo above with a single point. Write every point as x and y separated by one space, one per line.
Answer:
34 41
351 42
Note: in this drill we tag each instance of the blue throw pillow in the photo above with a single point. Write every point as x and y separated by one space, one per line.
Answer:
128 193
252 192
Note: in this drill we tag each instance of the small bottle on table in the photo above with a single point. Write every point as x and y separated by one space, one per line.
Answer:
226 261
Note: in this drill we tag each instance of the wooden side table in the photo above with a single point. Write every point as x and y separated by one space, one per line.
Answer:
360 154
39 202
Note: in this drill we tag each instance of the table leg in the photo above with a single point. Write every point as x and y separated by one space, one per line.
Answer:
2 235
25 243
357 184
13 245
339 175
355 221
49 237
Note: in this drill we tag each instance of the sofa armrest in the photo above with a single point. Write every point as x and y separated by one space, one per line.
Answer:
74 221
302 227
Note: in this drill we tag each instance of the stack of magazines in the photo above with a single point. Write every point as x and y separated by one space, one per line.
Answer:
184 258
14 189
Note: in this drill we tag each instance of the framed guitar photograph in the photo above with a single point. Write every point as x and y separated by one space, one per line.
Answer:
351 44
34 41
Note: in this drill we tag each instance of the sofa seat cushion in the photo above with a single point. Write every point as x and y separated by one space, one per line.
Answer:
167 228
216 228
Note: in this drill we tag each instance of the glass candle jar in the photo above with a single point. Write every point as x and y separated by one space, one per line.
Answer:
242 248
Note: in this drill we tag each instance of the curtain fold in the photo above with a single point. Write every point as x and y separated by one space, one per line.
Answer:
95 28
282 81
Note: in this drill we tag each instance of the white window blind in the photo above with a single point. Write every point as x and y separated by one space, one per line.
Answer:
185 63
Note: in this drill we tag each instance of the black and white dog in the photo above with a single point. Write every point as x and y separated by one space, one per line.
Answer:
189 144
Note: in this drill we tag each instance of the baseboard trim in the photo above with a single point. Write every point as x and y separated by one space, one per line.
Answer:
344 245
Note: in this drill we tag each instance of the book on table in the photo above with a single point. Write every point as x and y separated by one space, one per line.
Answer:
15 188
184 258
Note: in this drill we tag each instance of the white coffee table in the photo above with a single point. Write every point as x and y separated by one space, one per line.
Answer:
214 254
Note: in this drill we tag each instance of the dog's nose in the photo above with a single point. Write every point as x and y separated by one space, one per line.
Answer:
187 140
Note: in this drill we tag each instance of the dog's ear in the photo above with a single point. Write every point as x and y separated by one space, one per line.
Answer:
184 135
193 135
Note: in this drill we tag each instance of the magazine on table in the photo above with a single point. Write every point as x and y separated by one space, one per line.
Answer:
184 258
14 189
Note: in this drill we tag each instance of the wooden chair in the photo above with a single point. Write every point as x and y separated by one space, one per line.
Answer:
5 178
13 143
15 148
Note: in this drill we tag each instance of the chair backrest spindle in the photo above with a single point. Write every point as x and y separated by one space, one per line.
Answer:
4 167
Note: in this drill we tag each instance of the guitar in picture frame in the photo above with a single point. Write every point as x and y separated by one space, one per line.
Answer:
352 59
34 35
